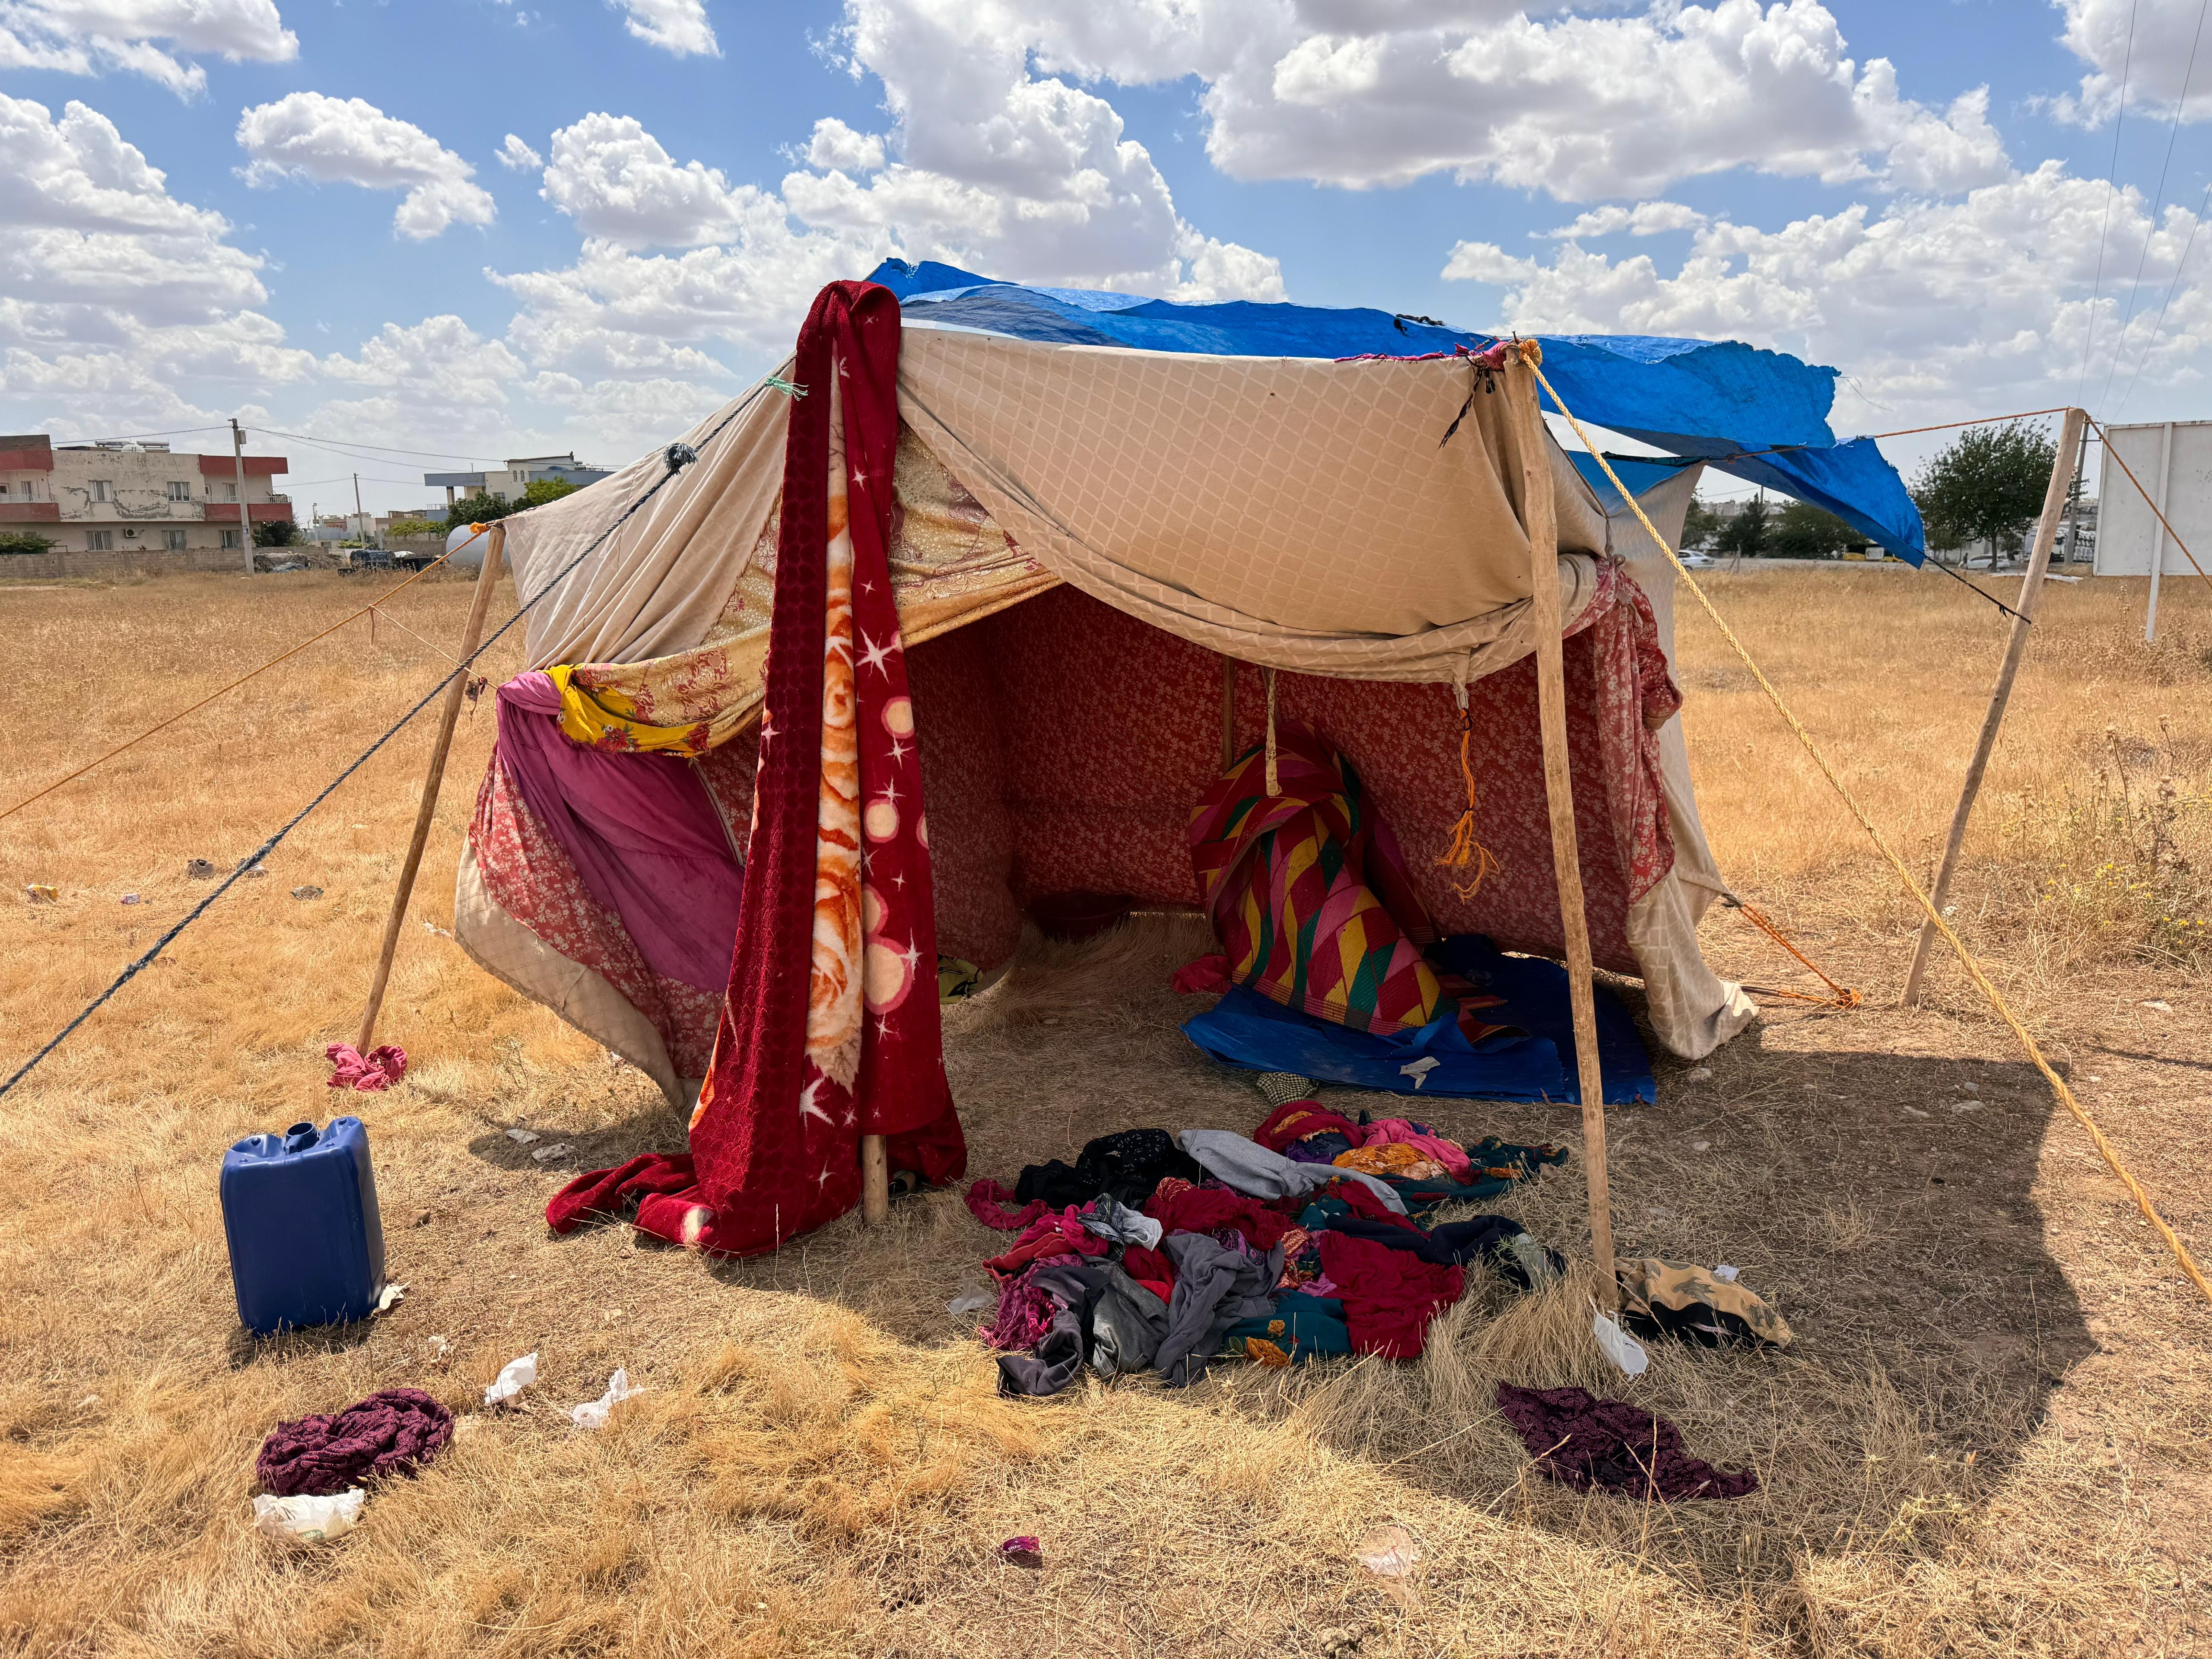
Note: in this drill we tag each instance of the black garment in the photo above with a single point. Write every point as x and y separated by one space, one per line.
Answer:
1215 1287
1584 1442
1126 1166
1057 1360
1454 1245
1708 1327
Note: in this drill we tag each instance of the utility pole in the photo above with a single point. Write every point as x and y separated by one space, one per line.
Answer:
244 524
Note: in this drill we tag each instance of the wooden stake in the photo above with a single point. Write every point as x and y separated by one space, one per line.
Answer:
2031 594
1539 516
875 1181
471 637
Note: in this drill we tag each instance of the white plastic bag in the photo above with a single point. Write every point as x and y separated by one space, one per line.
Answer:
1624 1349
592 1414
516 1375
309 1520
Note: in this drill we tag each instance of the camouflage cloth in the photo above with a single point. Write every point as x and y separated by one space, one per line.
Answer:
1672 1299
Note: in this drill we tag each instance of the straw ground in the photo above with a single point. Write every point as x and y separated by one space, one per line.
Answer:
1989 1437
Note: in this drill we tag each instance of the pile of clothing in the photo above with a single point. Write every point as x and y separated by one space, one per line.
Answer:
1164 1252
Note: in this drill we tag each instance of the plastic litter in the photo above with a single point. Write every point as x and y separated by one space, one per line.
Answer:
1698 1074
40 892
310 891
973 1296
593 1413
131 898
1726 1274
1023 1551
1390 1554
2159 1005
1419 1070
393 1295
523 1136
200 869
1624 1349
513 1377
308 1520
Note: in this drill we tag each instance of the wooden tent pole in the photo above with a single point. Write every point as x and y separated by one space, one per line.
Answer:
875 1181
471 637
2031 595
1539 516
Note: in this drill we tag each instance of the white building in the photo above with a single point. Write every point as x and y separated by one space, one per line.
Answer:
133 497
507 484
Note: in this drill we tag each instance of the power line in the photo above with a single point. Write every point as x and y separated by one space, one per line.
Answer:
2111 177
2158 200
2171 287
424 454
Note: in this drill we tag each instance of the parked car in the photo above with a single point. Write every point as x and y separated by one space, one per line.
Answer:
1699 561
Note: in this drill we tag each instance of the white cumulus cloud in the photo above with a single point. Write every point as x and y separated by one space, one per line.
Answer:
613 178
518 155
310 135
1982 304
115 295
2149 46
1644 219
141 37
679 27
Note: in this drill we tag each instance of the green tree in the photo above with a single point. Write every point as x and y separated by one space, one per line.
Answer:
1987 486
414 527
546 490
1802 531
1749 534
23 541
479 508
274 532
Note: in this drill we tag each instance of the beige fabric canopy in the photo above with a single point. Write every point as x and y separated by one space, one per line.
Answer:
1358 520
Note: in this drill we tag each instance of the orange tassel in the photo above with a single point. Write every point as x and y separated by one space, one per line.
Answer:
1466 853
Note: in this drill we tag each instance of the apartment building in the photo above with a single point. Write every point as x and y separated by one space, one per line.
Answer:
142 498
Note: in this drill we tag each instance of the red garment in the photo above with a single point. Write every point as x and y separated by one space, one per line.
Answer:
1207 974
774 1140
1397 1132
986 1202
1390 1295
1051 1235
1149 1268
1294 1120
366 1074
1209 1209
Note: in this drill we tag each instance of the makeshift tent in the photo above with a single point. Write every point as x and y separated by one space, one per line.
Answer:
1122 537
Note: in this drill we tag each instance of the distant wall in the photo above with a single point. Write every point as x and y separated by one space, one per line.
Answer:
57 565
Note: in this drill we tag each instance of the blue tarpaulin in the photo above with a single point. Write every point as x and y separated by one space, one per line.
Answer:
1761 416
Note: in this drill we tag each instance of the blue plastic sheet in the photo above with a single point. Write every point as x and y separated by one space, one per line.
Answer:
1762 416
1253 1032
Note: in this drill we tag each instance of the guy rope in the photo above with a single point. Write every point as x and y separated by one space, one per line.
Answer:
1533 355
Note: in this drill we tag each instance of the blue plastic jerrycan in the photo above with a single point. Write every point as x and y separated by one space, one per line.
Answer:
307 1242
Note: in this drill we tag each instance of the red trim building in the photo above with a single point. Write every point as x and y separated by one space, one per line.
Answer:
133 497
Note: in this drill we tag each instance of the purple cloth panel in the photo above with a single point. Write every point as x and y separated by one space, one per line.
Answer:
640 829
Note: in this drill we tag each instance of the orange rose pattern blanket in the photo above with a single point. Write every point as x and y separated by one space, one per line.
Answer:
1309 895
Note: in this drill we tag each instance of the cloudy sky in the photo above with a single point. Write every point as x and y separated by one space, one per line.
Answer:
483 227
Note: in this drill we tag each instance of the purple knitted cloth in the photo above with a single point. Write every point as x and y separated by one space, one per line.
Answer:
1586 1443
387 1433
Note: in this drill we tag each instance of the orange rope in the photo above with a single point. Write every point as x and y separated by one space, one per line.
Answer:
1839 996
1466 853
132 743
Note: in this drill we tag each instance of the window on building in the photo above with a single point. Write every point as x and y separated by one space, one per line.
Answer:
3 492
229 492
173 540
180 490
230 539
103 489
100 541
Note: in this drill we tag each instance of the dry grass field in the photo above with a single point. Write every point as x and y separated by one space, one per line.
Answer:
1993 1436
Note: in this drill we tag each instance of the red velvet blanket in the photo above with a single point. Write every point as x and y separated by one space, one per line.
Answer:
829 1029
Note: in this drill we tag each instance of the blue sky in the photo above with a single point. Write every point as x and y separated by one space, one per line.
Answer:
300 210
